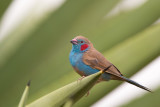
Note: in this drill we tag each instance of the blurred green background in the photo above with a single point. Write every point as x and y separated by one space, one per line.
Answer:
37 48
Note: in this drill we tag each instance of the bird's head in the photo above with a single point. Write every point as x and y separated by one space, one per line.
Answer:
81 44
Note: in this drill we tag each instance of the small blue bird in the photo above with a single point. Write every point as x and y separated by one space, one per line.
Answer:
86 60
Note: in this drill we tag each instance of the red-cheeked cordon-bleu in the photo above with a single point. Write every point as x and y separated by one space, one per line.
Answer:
86 60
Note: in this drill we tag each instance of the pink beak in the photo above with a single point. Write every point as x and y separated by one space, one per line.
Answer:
74 41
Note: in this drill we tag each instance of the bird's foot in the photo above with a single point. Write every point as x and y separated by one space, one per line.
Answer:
80 78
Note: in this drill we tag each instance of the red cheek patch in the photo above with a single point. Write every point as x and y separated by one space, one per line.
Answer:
83 47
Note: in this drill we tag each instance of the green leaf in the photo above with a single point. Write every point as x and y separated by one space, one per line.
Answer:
69 93
4 5
68 103
112 31
24 98
148 100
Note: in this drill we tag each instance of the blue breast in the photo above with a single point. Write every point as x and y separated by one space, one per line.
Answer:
77 62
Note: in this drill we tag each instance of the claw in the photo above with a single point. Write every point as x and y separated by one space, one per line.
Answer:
80 78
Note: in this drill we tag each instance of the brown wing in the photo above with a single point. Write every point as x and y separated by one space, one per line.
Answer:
96 60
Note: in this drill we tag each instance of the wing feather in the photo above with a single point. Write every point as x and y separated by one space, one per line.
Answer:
96 60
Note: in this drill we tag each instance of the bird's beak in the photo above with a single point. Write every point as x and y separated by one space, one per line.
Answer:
74 41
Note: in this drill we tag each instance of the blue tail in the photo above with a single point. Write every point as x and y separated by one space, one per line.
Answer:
135 83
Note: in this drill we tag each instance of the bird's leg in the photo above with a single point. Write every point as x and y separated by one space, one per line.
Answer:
87 94
81 78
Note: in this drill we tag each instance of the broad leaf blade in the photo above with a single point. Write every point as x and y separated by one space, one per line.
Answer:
59 97
4 4
148 100
120 27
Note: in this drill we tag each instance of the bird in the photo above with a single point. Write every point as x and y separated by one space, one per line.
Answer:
86 60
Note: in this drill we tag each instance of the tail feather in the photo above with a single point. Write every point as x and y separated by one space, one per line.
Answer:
136 84
121 77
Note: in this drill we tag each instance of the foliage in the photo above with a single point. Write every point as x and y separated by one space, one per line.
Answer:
38 48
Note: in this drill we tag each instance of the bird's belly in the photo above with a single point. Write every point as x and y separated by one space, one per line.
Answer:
83 69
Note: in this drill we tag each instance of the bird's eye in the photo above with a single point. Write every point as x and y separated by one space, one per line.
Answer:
81 41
